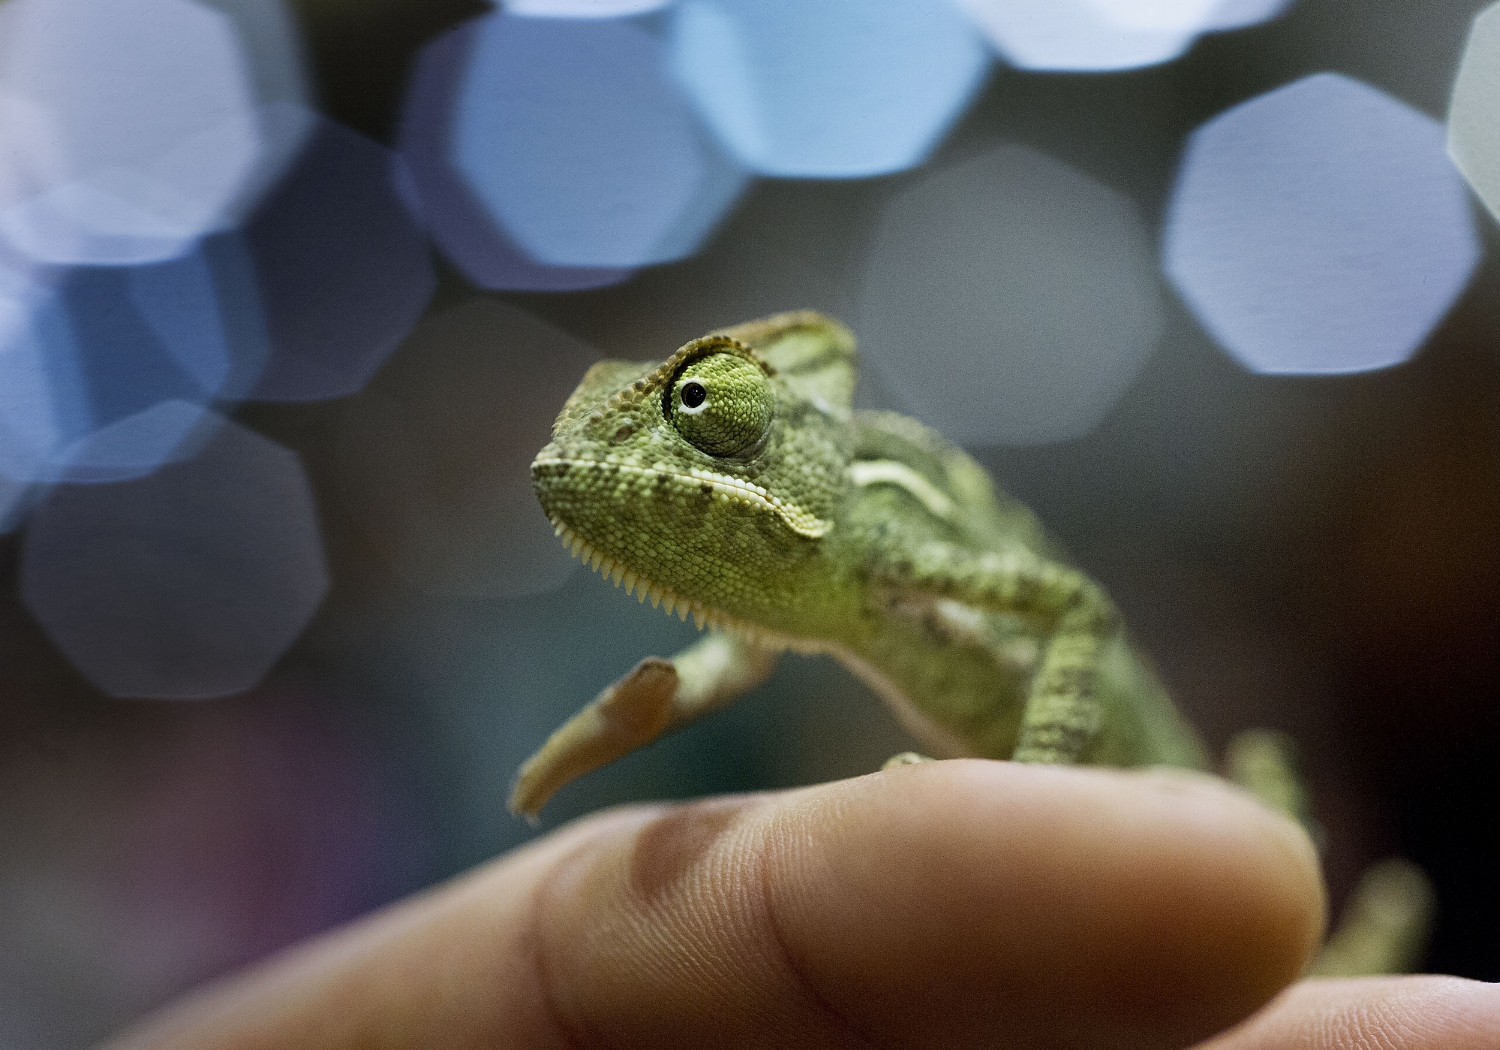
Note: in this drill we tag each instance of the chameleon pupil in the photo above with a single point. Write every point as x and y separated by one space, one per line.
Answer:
694 394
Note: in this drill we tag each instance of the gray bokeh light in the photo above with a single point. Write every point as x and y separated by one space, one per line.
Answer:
1010 299
1474 117
186 584
1319 228
434 456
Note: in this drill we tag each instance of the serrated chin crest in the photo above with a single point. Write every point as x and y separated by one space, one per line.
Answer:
703 616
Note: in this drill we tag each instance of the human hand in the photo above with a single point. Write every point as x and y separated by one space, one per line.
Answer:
950 904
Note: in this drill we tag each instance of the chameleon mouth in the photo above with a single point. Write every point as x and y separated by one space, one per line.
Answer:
661 596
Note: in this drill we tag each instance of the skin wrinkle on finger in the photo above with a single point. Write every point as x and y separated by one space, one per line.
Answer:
1374 1013
667 940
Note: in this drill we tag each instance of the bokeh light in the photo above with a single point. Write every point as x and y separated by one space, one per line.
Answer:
133 127
838 89
88 389
189 583
1105 35
1319 228
13 498
442 198
1474 117
1061 299
1237 14
1072 35
342 271
435 454
572 135
583 8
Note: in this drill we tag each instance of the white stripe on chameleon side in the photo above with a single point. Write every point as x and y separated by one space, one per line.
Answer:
889 472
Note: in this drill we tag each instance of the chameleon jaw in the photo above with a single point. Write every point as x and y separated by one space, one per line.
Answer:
703 615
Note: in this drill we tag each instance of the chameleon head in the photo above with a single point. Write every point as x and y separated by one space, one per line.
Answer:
708 482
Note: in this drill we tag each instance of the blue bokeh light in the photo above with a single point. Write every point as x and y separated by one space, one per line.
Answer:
341 269
572 135
838 89
1319 228
1062 299
189 583
133 127
444 202
88 392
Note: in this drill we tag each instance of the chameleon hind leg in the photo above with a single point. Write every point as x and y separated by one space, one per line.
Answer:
655 698
1385 925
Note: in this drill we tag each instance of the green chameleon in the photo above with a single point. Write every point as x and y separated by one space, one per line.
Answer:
735 483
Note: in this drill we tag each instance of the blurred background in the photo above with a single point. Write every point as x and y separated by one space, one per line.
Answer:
291 292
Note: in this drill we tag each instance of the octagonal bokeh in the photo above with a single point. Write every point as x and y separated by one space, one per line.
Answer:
839 89
442 199
189 583
1010 299
136 126
571 134
1319 228
1474 116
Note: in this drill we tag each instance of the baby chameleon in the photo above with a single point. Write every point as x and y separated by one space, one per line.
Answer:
734 482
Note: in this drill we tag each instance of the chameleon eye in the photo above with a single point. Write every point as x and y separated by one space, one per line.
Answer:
722 404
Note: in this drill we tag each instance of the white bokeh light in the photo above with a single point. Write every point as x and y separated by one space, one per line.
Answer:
1097 36
132 127
583 8
1010 299
1319 228
1474 116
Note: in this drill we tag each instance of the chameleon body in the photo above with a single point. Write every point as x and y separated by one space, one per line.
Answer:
735 483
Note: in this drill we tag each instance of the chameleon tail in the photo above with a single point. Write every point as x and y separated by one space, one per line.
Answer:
1386 923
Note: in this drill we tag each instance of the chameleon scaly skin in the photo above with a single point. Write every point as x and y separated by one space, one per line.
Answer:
735 483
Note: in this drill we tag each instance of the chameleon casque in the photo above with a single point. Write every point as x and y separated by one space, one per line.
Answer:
735 483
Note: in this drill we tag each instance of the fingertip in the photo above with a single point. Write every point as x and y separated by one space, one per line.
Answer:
1393 1013
1181 903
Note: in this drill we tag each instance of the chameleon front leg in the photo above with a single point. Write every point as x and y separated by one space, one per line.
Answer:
1063 713
655 698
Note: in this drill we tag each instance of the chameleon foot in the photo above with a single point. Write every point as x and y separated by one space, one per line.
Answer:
905 758
627 714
